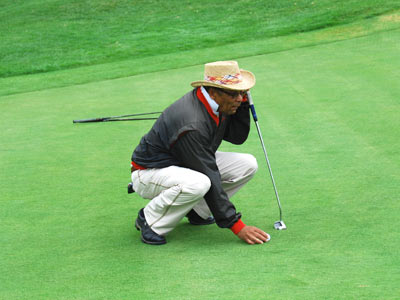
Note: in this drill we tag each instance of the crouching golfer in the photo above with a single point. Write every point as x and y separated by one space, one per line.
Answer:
177 166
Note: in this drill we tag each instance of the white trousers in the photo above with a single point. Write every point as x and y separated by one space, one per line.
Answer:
174 191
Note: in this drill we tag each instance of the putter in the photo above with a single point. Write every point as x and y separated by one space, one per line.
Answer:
278 225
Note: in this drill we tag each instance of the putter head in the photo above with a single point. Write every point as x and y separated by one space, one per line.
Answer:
279 225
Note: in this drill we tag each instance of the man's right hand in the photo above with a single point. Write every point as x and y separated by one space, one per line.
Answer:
253 235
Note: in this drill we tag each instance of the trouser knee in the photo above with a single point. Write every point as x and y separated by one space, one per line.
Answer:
250 163
197 186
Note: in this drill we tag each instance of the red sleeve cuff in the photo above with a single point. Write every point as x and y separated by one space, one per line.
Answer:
239 225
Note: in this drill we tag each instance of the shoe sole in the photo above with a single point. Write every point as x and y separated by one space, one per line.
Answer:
144 240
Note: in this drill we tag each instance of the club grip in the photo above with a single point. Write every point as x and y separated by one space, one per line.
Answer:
253 110
90 120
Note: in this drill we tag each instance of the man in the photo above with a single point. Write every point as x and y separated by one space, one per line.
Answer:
177 165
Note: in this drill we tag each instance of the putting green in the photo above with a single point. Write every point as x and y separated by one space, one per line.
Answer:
330 119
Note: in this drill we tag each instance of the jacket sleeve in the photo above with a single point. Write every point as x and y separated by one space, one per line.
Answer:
238 127
191 150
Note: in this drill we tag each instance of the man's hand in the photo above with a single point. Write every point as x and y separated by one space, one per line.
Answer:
253 235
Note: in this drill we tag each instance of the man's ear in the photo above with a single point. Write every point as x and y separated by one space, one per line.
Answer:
212 92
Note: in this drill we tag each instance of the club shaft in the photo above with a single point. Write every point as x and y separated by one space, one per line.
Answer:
107 119
269 169
130 119
255 118
139 114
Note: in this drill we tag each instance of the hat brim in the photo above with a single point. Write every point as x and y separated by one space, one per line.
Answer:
248 81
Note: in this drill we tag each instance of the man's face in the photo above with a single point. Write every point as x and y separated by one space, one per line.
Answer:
228 100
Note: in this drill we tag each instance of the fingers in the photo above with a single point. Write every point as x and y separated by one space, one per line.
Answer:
259 236
253 235
264 236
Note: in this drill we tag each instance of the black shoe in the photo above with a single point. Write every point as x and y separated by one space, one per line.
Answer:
130 188
148 235
195 219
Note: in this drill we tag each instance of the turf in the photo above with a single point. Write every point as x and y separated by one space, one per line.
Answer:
48 35
329 115
159 62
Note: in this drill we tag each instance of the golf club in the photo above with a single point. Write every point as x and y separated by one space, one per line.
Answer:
119 118
278 225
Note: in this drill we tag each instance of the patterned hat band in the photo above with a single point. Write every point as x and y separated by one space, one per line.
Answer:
225 80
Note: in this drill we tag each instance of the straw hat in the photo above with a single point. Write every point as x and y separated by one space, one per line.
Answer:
226 75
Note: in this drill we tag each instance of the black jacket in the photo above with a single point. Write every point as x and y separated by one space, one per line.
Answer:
188 134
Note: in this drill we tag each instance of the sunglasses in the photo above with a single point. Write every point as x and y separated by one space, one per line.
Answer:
233 94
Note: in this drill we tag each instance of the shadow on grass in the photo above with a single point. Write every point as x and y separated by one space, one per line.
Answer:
202 236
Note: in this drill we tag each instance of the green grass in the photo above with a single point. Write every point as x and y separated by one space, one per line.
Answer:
329 116
328 105
42 36
134 66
